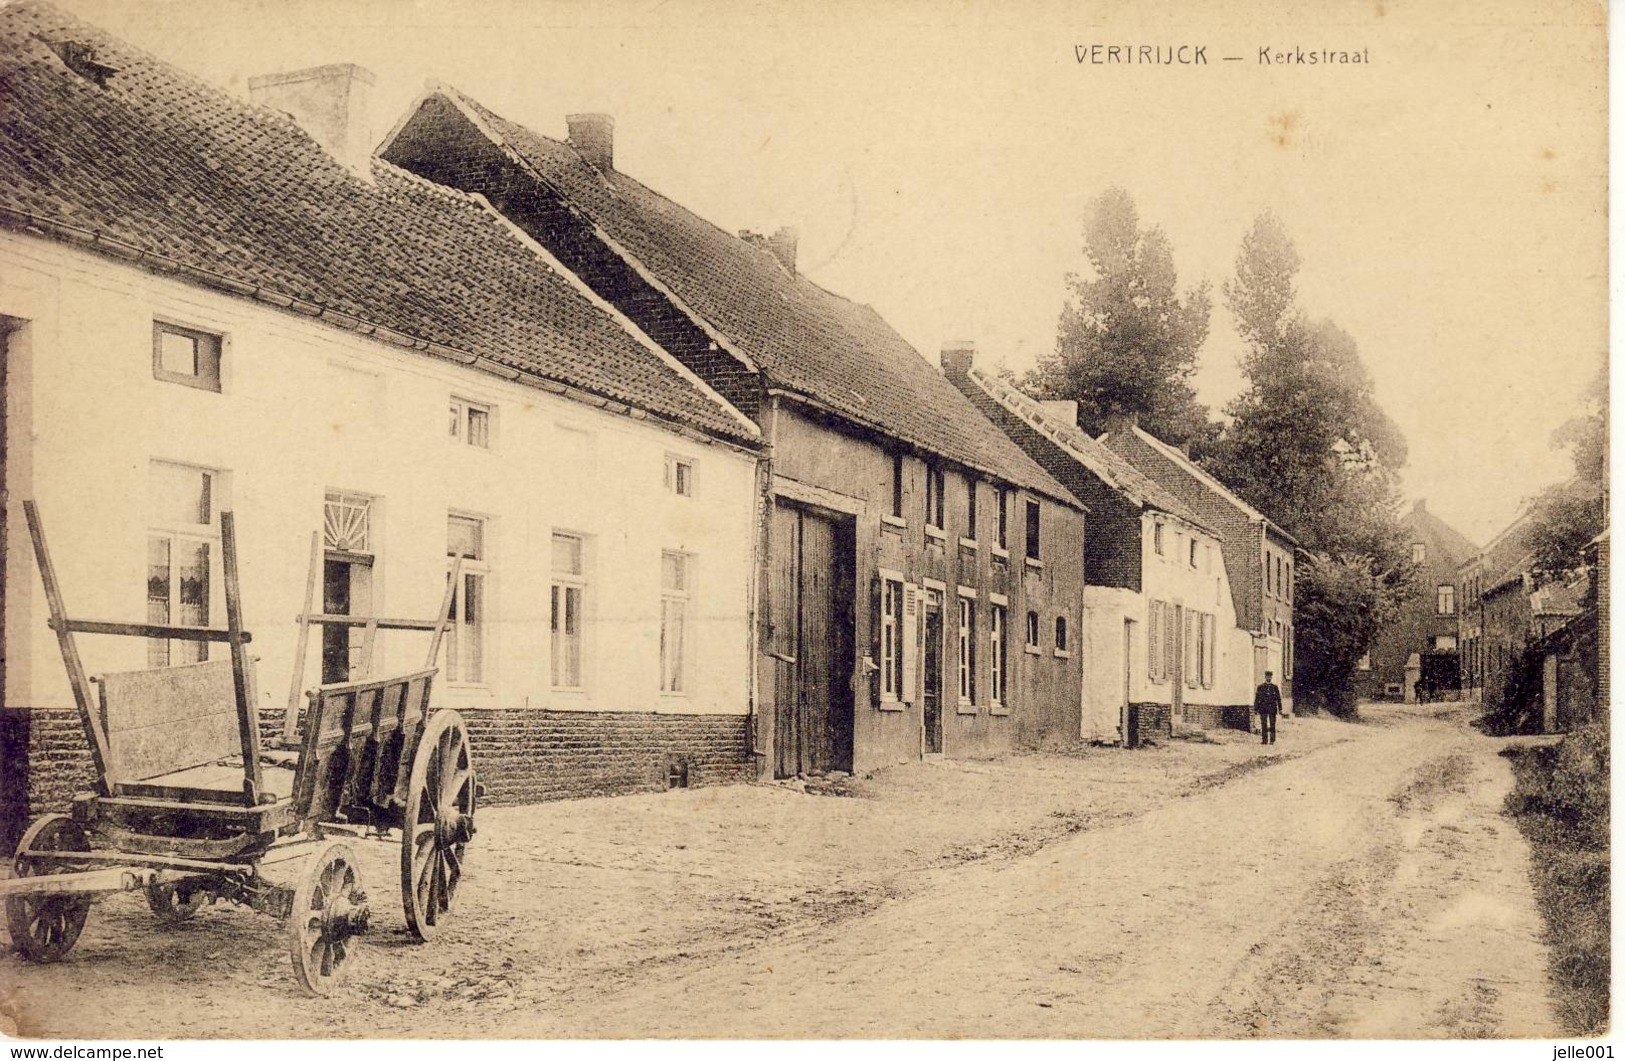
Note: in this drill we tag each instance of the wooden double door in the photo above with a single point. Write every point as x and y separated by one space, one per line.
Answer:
811 633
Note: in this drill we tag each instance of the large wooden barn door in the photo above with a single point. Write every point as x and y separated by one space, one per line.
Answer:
811 601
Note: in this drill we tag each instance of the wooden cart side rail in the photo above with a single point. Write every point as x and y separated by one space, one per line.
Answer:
248 716
77 679
170 633
358 735
365 620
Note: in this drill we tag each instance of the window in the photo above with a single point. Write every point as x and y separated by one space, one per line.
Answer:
1444 643
1447 600
996 657
1032 631
891 639
674 590
465 647
1193 649
967 650
1194 547
1033 529
1210 653
185 356
897 485
180 551
470 423
970 508
347 523
1286 655
1004 518
568 605
1156 538
1364 662
1288 587
1419 552
1062 645
680 475
934 483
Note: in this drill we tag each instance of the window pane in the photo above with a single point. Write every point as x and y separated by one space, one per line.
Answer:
178 354
566 555
178 494
192 589
674 572
465 537
567 637
473 614
479 427
157 598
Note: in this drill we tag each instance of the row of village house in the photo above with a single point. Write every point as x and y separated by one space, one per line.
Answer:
1483 627
714 521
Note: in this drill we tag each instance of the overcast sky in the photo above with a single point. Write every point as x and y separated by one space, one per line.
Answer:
1447 198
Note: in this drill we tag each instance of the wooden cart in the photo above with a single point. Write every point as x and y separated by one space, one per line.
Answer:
190 808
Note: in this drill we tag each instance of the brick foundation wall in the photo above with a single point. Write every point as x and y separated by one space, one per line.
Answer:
1220 716
1149 722
522 756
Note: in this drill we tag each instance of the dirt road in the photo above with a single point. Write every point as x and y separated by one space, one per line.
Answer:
1353 881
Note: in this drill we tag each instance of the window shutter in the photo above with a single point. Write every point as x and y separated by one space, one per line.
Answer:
1170 641
1193 661
1154 642
910 636
1210 671
875 598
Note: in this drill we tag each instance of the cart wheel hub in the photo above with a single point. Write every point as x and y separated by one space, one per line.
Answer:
347 918
453 827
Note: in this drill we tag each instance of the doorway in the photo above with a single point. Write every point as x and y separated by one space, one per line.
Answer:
346 590
931 657
812 635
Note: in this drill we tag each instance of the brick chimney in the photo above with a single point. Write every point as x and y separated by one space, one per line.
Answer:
331 103
1121 424
783 245
958 357
1065 411
593 137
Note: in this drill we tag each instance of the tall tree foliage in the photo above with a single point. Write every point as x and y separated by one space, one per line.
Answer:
1566 517
1308 444
1128 340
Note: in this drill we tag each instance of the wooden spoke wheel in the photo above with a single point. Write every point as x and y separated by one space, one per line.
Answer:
44 928
329 911
173 903
438 823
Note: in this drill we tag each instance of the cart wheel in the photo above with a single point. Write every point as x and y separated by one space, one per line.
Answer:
329 909
438 823
174 903
44 928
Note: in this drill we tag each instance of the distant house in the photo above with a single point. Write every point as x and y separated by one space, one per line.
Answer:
906 543
1258 553
205 307
1161 641
1420 654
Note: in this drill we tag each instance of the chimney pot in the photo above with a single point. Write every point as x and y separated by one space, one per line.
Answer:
783 245
958 357
332 103
593 137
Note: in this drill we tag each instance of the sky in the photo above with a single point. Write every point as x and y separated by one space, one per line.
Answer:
1447 195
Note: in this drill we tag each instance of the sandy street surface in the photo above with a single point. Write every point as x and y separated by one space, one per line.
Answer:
1352 881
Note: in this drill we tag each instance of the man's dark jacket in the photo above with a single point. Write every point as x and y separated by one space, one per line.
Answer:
1267 701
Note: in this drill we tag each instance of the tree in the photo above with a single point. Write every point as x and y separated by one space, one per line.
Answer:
1308 444
1566 517
1127 340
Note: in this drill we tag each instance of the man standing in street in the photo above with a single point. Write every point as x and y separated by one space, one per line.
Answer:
1267 702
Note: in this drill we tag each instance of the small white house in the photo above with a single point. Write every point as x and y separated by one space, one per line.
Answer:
1161 642
204 309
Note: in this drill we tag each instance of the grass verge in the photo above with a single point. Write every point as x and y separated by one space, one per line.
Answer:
1560 802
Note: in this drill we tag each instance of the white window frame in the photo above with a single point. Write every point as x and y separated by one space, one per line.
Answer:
1445 599
462 412
209 370
681 471
680 682
967 646
892 648
560 585
459 637
163 653
998 661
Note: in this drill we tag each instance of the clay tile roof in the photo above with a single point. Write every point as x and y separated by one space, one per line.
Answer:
196 182
803 338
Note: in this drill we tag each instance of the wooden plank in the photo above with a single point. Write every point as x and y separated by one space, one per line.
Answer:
248 716
168 719
782 608
817 643
301 646
155 630
344 723
369 639
414 714
443 617
77 679
326 619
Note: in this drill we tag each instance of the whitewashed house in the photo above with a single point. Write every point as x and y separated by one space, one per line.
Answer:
208 305
1161 644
